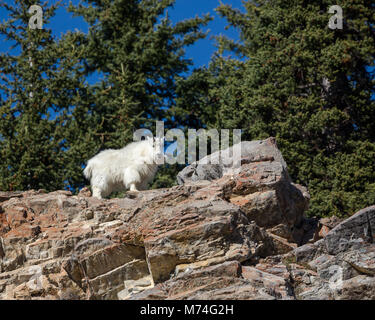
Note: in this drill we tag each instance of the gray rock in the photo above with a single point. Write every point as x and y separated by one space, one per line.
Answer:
91 245
305 253
360 225
358 288
251 151
223 281
4 196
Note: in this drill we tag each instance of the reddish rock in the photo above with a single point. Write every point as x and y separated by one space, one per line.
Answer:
233 236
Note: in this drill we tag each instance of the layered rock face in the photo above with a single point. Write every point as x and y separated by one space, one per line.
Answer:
220 234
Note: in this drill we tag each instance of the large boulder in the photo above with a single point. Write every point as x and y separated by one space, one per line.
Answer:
360 225
217 164
261 187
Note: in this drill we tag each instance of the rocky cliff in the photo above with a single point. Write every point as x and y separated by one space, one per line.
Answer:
220 234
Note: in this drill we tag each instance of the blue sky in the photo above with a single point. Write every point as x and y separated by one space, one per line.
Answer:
200 52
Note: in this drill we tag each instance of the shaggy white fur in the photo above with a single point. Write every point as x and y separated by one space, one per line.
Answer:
131 167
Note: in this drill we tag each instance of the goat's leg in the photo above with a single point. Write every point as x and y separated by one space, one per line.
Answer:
132 178
133 187
99 186
97 192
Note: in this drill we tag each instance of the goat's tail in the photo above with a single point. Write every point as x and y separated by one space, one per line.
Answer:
88 171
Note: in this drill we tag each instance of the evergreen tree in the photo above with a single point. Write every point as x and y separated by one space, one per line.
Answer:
35 91
310 86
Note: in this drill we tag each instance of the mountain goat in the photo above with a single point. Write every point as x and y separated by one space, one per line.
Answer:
131 167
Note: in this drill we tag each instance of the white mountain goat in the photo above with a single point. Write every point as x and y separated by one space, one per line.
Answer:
131 167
